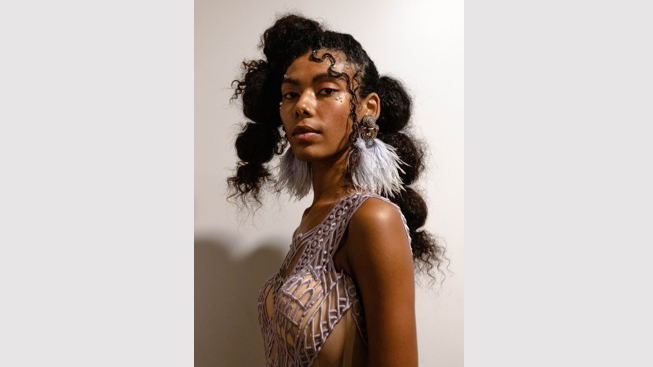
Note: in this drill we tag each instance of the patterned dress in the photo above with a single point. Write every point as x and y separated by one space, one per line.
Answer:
311 314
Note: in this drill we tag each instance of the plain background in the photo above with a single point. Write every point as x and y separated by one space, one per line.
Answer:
422 45
96 195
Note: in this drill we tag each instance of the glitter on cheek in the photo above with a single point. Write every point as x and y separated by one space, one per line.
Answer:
340 97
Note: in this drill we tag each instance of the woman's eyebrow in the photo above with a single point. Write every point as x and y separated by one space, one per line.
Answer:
316 78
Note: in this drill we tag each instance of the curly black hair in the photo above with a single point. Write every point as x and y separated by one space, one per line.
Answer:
290 37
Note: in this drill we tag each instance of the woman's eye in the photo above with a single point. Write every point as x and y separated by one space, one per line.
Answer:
324 92
289 95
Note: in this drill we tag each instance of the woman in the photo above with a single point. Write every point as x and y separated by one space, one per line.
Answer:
345 293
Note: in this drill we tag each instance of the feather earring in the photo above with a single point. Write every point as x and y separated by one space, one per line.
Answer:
378 166
293 175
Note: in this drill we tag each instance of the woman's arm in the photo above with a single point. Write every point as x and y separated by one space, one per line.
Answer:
381 263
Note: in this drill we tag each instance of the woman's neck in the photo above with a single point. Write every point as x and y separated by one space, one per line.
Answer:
328 178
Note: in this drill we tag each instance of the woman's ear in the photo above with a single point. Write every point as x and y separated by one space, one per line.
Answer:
372 106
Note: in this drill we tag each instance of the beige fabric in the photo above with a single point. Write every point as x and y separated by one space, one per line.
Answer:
338 349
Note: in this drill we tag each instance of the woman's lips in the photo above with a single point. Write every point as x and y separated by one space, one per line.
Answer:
306 136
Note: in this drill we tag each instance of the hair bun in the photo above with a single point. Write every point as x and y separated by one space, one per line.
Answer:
287 34
257 135
255 88
413 207
395 105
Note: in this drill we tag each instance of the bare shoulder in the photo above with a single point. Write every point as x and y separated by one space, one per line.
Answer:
375 211
378 236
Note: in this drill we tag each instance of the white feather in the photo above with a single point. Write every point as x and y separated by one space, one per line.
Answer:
293 175
378 168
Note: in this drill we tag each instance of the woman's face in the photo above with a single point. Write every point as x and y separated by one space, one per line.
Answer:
315 107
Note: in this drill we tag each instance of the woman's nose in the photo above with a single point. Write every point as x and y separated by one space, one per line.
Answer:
305 105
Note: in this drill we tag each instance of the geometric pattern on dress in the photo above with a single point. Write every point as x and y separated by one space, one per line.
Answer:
298 310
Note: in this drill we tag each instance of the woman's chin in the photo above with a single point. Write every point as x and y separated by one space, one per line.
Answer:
306 157
306 153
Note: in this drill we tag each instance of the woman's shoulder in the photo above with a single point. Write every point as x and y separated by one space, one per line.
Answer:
376 225
375 210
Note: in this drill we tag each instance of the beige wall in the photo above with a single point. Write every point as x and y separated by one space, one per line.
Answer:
418 42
